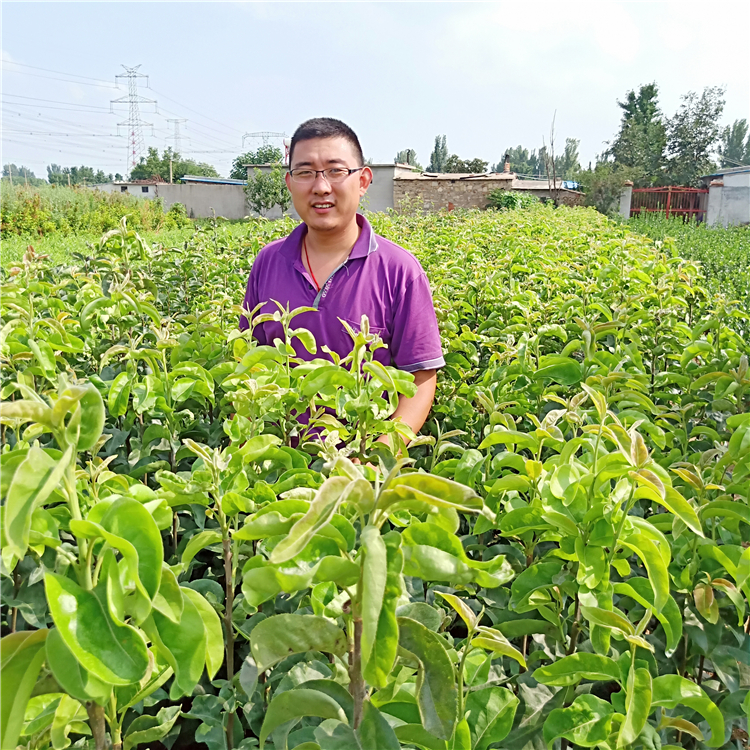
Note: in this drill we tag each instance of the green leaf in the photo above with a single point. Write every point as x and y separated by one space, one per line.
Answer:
199 541
374 732
670 618
437 695
374 572
33 482
383 627
670 690
168 600
119 395
563 370
490 714
21 658
93 416
638 706
434 554
70 674
608 619
494 640
428 491
463 609
130 520
183 646
294 704
658 575
327 499
510 437
145 729
113 652
214 631
570 670
67 711
535 577
277 637
586 722
416 734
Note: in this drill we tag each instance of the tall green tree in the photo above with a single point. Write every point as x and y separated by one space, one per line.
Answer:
266 154
154 165
693 136
567 165
268 189
641 142
523 162
439 155
407 156
456 165
734 150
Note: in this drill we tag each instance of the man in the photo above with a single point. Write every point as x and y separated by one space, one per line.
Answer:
336 264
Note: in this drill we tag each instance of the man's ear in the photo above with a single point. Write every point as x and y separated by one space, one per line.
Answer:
288 179
365 178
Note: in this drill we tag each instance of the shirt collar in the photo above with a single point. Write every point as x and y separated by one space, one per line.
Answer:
366 242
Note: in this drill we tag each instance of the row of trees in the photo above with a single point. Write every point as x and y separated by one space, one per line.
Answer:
522 161
650 149
677 150
153 164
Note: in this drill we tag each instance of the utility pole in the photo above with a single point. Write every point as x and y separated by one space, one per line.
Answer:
134 123
68 179
10 172
26 176
170 170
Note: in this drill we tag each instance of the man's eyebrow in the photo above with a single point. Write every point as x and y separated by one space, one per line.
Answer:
299 164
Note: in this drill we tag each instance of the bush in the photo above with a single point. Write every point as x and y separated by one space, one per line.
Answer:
510 199
51 209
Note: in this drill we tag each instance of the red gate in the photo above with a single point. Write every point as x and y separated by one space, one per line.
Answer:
674 201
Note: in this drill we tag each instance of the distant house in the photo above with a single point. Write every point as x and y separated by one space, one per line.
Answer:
138 188
728 196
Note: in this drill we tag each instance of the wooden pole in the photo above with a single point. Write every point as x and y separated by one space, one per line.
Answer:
170 171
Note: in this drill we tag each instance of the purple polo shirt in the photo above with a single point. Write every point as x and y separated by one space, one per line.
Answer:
379 279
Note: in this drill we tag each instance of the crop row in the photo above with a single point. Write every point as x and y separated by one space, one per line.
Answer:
560 557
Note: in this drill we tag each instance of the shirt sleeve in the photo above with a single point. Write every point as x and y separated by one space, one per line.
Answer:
415 341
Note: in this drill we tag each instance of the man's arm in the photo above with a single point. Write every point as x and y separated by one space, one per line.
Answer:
414 410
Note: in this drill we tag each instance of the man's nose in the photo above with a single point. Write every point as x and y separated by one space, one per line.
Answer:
321 185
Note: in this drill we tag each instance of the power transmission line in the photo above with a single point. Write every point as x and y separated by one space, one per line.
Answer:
58 72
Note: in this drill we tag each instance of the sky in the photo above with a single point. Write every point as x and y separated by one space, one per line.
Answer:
487 75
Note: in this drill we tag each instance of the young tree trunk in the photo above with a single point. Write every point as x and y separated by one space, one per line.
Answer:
356 681
96 721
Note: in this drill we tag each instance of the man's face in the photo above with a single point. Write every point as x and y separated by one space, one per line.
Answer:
321 205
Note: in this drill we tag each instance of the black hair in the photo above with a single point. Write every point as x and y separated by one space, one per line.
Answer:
325 127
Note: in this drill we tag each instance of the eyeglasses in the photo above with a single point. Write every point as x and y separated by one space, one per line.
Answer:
331 175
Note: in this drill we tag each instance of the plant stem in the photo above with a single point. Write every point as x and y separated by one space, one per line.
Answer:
576 629
356 681
96 721
229 605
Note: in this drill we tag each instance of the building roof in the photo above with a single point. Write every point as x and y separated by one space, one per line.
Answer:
212 180
156 180
508 180
728 170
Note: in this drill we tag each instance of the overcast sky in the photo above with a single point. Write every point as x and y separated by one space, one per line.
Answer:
488 75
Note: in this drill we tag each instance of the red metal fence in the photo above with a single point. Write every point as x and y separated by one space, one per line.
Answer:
674 201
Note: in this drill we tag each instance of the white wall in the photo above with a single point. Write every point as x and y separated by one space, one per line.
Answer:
203 199
729 205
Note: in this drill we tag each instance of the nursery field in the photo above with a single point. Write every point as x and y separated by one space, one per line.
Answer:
562 557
